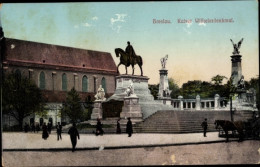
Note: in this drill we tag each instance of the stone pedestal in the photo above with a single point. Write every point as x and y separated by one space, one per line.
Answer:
97 110
132 109
140 84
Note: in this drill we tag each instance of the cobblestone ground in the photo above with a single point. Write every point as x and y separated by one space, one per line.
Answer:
247 152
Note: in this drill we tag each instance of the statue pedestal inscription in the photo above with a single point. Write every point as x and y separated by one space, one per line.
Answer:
132 109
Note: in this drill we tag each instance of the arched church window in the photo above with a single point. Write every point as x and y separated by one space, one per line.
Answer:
85 84
42 80
64 82
103 83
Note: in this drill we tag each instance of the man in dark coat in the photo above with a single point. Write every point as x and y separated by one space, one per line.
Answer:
49 127
129 127
73 132
118 129
99 130
33 127
37 127
204 124
26 128
45 134
59 130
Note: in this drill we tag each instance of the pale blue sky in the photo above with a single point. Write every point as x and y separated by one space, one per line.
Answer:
196 52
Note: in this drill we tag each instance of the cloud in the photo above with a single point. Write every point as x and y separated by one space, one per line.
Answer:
95 18
114 22
76 26
120 18
87 24
202 24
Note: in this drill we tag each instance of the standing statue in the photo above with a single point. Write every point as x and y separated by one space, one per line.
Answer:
128 57
164 60
241 83
100 94
130 89
237 46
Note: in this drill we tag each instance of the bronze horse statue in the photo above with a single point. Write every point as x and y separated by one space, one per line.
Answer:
231 126
126 60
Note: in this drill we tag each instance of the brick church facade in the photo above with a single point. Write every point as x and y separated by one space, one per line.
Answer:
56 70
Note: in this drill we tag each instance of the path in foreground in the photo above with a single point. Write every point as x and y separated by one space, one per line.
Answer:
247 152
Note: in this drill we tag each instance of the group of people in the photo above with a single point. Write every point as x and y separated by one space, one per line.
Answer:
129 127
46 130
35 127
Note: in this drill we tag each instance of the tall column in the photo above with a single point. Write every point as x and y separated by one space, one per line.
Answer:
198 102
216 100
236 70
181 102
164 84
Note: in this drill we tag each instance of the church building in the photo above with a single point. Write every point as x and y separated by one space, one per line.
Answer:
56 70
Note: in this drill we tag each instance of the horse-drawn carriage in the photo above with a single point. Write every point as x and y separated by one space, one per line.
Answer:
239 129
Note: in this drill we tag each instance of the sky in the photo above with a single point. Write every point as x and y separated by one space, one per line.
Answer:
196 51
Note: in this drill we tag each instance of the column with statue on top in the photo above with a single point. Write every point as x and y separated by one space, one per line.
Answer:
164 93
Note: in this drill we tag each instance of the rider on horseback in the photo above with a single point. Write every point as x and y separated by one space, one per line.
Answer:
130 51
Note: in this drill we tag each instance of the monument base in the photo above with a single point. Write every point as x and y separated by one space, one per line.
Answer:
96 112
132 109
146 100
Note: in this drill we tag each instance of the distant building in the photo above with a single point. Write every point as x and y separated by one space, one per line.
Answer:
56 70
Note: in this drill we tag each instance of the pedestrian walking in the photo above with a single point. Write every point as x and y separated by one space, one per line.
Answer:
59 130
26 128
204 125
49 127
99 129
118 129
73 132
129 127
33 127
37 127
45 134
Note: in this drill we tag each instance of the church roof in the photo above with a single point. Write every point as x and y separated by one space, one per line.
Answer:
34 54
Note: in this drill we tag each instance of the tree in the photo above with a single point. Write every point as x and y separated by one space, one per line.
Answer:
174 88
21 97
154 89
72 107
218 79
88 105
254 83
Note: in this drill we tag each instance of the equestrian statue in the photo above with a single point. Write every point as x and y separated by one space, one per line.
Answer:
128 57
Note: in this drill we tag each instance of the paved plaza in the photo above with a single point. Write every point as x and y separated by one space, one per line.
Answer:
34 141
29 149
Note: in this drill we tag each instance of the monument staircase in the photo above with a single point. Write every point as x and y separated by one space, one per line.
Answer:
185 121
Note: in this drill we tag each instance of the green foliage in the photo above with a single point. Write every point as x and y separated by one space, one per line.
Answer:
254 83
174 88
21 97
154 90
218 79
72 107
204 89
